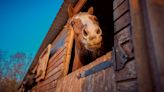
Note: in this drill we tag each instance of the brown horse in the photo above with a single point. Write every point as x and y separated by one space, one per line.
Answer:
88 37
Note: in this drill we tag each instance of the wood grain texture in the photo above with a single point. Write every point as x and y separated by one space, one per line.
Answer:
56 64
117 3
58 52
124 7
127 73
122 22
57 59
48 84
69 44
55 70
127 86
42 64
97 82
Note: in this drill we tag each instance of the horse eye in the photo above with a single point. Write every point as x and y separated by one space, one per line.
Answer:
85 32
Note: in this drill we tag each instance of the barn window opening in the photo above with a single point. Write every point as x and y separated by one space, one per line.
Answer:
103 10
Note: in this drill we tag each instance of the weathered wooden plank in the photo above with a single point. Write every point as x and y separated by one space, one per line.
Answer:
62 35
122 22
91 83
61 60
102 81
124 7
54 65
51 90
110 84
42 64
48 86
156 20
88 84
96 68
141 30
60 57
128 86
55 70
124 48
128 72
56 59
124 39
117 3
59 52
99 82
60 43
69 44
50 79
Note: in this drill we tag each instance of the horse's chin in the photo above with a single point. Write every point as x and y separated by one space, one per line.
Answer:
94 47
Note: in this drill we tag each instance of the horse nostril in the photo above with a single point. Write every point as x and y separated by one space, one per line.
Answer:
98 31
85 32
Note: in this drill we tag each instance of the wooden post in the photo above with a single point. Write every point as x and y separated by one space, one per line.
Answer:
155 17
140 46
79 5
148 30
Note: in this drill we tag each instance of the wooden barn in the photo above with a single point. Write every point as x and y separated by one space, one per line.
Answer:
134 48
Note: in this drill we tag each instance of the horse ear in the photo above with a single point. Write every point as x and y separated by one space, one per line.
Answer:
70 10
90 10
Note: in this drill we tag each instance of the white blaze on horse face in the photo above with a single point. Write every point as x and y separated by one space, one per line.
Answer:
91 33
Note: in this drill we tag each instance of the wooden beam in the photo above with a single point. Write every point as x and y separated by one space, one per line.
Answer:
79 6
155 19
144 73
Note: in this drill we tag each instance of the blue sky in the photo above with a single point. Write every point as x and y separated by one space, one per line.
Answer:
24 23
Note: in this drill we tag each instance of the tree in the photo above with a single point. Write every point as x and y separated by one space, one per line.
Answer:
12 70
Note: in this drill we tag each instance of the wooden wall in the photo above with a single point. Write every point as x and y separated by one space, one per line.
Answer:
57 64
102 81
125 68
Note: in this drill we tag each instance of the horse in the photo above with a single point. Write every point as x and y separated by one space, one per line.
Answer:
87 37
